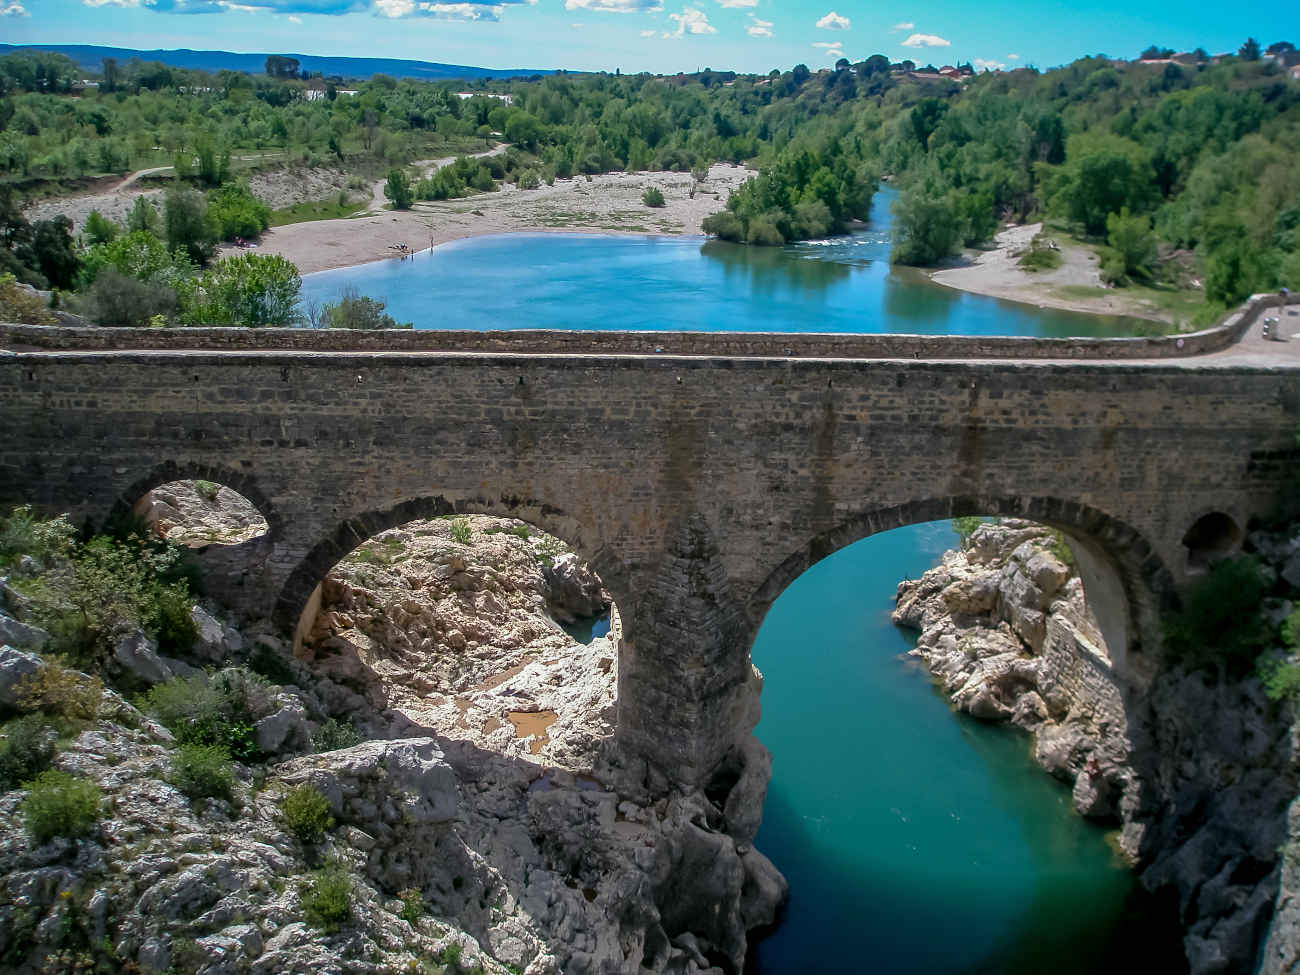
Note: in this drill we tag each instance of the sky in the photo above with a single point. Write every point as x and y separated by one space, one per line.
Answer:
661 36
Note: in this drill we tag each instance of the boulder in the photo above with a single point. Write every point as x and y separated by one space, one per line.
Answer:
210 639
22 636
573 590
15 666
287 731
138 656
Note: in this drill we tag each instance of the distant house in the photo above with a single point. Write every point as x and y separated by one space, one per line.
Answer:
1294 73
508 99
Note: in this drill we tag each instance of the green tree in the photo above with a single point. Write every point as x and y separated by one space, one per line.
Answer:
254 290
1102 176
398 189
237 213
354 310
1131 238
186 224
926 229
1249 51
143 216
99 229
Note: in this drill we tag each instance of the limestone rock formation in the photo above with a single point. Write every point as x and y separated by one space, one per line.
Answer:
1197 774
478 818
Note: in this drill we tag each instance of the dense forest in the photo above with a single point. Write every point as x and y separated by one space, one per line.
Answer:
1179 169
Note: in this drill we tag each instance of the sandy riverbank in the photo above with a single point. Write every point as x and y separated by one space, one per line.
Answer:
609 203
995 273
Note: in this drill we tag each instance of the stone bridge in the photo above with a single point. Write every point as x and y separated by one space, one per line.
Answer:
698 484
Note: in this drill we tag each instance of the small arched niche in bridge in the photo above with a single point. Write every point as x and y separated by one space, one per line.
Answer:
1212 536
470 627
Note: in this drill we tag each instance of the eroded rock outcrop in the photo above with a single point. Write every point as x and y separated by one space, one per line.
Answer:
481 792
1197 773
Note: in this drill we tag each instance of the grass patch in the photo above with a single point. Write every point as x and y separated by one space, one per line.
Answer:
334 735
212 711
60 804
334 208
461 531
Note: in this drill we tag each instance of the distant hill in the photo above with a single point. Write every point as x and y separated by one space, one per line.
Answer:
89 56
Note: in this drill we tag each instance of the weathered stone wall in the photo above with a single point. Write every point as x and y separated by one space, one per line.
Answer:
697 487
1080 672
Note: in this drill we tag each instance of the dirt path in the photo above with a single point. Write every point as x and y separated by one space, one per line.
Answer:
424 168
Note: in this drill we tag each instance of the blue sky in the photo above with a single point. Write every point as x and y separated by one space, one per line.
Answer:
658 35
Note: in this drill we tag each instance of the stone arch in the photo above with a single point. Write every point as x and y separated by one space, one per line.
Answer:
1127 582
170 471
235 573
299 596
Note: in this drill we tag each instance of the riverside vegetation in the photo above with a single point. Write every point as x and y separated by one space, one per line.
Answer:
1179 173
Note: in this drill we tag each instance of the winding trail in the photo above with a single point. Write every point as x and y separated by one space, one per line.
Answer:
426 167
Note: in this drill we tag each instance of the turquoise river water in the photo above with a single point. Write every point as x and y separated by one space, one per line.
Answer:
915 840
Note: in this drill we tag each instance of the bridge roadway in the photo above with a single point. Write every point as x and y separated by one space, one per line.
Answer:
699 484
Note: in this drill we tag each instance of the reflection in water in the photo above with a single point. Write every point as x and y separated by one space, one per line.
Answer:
767 270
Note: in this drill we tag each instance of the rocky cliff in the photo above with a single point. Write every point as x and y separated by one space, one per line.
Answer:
472 808
1197 773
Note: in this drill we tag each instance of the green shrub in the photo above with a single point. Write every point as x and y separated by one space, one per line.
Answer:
1041 255
59 804
60 692
22 533
528 180
204 772
334 735
1281 679
210 711
412 905
965 527
1060 547
306 813
26 750
398 189
1220 624
119 299
207 490
327 898
237 213
99 229
20 305
652 197
461 530
355 310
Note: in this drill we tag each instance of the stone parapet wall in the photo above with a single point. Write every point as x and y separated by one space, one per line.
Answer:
727 344
1080 672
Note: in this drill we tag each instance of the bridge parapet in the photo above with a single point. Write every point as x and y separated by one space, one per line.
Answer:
818 345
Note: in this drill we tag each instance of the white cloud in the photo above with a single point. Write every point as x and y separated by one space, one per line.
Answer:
738 3
759 28
1013 57
294 20
14 10
438 11
984 64
828 44
690 21
648 33
926 40
833 21
465 10
616 6
905 25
